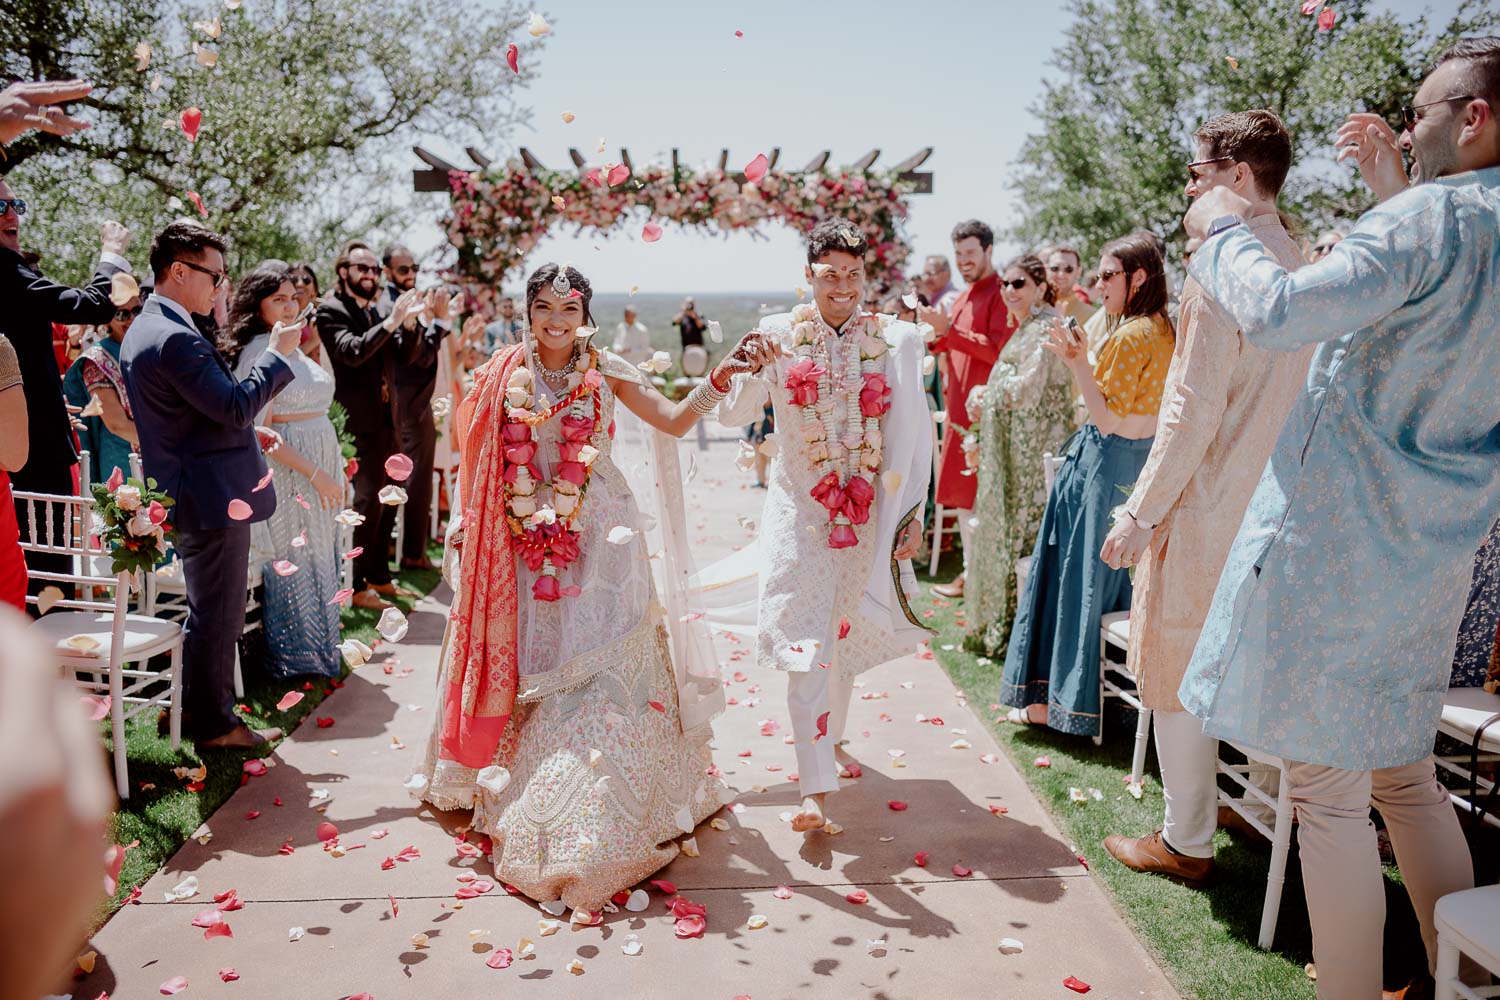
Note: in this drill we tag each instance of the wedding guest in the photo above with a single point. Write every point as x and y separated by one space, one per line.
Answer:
1052 666
302 627
632 340
110 435
1324 245
507 328
27 105
1477 629
937 283
690 325
1023 411
32 305
365 353
305 282
1389 459
1064 271
969 340
416 379
198 438
1224 403
14 446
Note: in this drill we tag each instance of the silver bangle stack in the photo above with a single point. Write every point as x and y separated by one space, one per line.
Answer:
704 397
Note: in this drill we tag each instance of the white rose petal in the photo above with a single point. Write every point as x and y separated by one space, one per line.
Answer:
185 889
632 945
493 779
556 907
416 785
1011 946
690 847
297 933
619 535
392 625
547 928
392 496
638 901
538 26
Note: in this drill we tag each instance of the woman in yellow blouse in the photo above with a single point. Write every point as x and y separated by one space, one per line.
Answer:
1052 667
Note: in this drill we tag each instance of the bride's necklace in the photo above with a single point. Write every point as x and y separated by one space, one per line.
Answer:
555 374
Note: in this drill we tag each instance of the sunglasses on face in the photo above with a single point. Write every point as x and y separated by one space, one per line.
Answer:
1015 285
1409 111
302 279
404 269
1060 268
6 204
121 315
219 276
1192 168
363 269
1108 274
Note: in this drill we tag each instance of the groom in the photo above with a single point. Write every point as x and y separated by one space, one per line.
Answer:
843 513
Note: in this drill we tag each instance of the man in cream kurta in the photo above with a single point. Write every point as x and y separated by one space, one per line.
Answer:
826 614
1224 404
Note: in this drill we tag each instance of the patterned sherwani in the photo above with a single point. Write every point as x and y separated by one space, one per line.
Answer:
1331 633
1223 407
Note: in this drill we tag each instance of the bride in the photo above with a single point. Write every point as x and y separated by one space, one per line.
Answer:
575 697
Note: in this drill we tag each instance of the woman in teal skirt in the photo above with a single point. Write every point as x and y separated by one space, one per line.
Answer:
1052 666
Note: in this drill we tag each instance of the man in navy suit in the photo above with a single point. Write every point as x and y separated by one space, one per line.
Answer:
199 441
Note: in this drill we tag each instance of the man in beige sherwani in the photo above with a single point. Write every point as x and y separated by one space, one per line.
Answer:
1224 405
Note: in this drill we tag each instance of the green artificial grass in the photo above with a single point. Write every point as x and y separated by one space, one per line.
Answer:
1205 940
158 820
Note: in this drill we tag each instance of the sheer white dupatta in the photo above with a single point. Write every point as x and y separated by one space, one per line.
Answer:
648 459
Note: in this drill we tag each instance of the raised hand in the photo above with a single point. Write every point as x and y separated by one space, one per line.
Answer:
26 106
285 337
114 238
1062 341
754 352
407 307
1375 147
473 331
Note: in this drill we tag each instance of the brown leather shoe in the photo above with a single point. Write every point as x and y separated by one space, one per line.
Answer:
240 738
1235 823
370 600
954 589
1151 854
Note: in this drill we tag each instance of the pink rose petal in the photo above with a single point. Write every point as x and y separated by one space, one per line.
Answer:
650 232
658 706
190 119
264 481
174 986
254 767
756 168
355 552
500 958
327 831
920 859
342 596
513 58
398 467
1042 761
192 196
1076 985
228 975
689 927
858 897
239 510
896 805
667 887
782 892
288 700
962 872
284 567
216 930
617 174
1326 21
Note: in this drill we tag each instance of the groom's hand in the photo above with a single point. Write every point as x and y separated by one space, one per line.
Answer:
909 541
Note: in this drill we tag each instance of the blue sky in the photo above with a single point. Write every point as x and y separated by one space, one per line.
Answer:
806 76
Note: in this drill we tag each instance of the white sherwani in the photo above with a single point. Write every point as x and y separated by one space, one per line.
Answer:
808 590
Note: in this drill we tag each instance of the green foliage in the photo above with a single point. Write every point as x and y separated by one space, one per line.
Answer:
308 113
1139 76
339 417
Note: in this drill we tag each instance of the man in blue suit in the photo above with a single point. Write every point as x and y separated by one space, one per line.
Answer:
198 439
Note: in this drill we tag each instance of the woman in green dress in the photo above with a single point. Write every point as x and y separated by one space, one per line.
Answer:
1023 411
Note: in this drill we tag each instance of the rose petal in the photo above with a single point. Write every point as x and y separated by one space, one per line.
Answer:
264 481
392 625
500 958
284 567
756 168
512 57
1011 946
619 535
399 467
216 930
858 897
1043 761
190 119
228 975
782 892
192 196
239 510
650 232
288 700
920 859
667 887
1076 985
391 496
690 926
327 831
173 986
896 805
342 596
962 872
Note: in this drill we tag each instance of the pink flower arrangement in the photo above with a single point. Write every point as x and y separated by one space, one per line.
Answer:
875 397
802 381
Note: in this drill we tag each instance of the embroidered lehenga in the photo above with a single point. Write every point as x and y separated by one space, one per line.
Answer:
604 758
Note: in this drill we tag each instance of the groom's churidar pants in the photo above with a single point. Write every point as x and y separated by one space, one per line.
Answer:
810 694
1341 864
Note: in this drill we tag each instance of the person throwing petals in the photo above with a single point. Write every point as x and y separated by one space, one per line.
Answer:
576 692
843 513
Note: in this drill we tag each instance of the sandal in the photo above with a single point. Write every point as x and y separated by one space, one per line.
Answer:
1019 717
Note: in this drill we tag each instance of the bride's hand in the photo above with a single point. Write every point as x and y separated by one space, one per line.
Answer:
754 352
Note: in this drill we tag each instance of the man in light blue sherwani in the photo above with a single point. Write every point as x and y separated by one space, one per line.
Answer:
1332 630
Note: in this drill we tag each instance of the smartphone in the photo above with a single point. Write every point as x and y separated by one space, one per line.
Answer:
1079 337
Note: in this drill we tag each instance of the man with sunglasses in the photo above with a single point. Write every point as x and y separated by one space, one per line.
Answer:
415 381
198 439
1330 638
33 304
1064 269
366 351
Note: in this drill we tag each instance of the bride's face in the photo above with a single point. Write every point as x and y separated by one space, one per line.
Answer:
555 319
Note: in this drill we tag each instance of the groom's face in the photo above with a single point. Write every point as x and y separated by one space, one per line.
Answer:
838 280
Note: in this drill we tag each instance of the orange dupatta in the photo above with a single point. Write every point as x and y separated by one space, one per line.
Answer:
483 671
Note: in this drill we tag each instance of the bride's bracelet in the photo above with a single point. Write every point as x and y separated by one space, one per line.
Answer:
705 397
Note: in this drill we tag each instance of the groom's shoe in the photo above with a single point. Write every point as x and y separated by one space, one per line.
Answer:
1151 854
952 590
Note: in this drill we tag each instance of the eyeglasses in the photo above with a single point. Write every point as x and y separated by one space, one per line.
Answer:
302 279
1015 285
219 276
6 204
1409 111
1193 174
1107 274
124 314
364 268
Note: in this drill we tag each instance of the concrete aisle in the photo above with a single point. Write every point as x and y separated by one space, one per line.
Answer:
925 932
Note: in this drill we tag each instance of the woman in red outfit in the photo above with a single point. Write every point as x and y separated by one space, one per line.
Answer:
13 452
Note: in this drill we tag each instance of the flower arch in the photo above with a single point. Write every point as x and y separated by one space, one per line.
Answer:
498 214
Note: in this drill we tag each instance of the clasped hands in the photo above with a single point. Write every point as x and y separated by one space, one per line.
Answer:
754 352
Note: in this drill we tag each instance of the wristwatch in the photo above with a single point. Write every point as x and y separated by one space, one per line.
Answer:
1222 223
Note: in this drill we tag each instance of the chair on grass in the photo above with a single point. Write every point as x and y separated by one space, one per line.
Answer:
944 521
1050 464
1279 833
1466 716
1116 681
98 638
1468 923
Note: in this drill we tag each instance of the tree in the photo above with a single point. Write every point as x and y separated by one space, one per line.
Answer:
1139 77
307 106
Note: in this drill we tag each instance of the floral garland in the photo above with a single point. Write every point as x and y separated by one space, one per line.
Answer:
545 532
848 465
498 215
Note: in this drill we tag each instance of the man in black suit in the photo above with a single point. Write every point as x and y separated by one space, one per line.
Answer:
366 352
415 380
32 305
198 438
